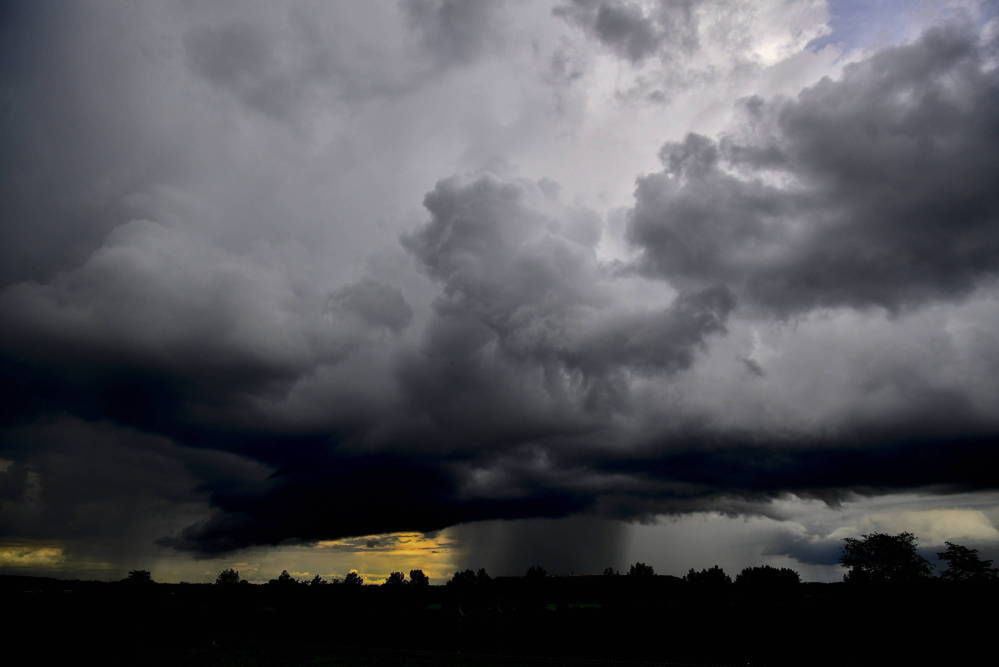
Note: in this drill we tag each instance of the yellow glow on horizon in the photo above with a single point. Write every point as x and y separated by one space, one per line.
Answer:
375 556
27 555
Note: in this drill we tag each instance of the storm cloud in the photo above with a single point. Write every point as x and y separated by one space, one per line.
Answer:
319 295
873 190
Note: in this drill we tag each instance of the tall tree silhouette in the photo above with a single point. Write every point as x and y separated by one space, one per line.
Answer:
883 558
139 577
712 576
641 570
964 564
283 579
228 577
464 579
395 579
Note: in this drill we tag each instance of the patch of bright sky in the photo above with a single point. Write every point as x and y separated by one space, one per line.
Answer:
872 24
672 545
371 556
30 556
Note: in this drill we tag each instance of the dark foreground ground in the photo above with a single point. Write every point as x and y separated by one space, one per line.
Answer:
557 621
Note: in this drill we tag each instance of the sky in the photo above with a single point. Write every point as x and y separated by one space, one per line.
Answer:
322 286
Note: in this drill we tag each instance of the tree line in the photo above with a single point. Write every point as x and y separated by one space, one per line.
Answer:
875 558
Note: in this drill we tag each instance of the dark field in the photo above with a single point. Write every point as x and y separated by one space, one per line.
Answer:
555 621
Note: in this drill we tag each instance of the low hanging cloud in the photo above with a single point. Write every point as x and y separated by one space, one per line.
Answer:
502 369
498 365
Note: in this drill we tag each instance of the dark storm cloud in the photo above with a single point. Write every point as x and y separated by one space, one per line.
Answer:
875 190
663 342
507 402
531 279
104 491
717 471
503 367
499 368
165 327
352 495
524 295
631 31
164 334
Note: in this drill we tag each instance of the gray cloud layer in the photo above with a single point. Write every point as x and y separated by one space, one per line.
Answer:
489 362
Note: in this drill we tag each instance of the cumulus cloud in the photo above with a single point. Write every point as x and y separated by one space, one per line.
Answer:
522 285
873 190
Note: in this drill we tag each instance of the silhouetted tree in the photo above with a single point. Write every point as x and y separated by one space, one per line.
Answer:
228 577
964 564
883 558
767 575
468 578
283 579
462 579
395 579
536 572
610 572
641 570
317 581
353 579
418 579
141 577
712 576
